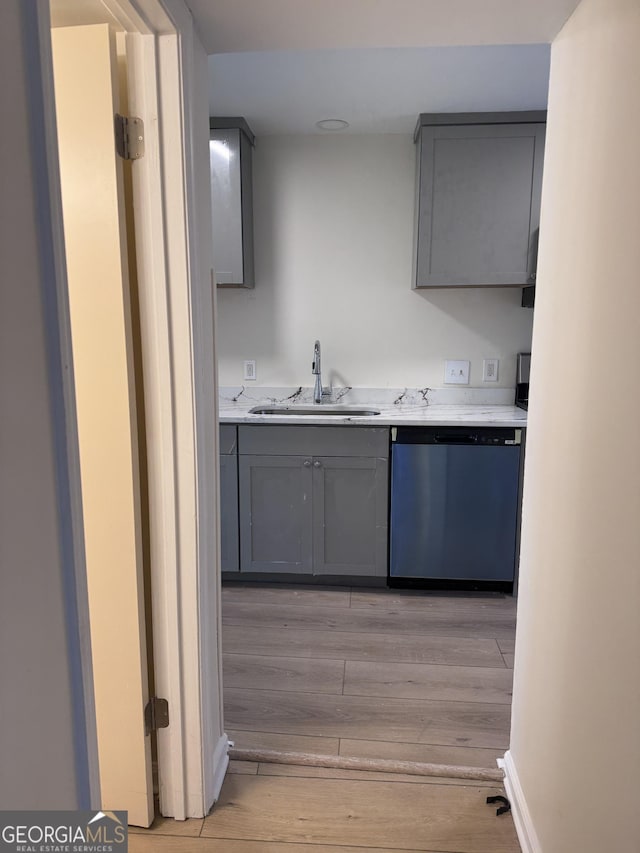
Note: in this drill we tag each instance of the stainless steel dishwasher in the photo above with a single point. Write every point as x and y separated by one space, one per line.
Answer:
454 507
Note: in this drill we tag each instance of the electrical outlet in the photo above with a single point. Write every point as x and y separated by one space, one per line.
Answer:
456 372
249 371
490 370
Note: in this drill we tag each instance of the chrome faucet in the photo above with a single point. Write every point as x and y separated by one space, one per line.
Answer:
316 368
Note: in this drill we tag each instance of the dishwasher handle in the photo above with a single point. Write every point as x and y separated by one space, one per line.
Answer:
444 438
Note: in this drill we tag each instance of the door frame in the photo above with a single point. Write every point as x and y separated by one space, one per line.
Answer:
167 71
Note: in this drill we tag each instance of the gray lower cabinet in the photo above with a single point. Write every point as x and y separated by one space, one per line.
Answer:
229 545
478 199
275 514
350 516
321 510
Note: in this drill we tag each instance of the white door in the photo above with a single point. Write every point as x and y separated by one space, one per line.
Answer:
86 90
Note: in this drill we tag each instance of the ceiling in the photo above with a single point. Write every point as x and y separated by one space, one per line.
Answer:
286 64
228 26
375 90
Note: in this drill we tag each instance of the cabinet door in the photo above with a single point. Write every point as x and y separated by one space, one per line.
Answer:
275 514
231 206
229 544
478 204
350 499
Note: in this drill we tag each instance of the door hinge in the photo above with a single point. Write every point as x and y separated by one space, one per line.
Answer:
156 715
129 132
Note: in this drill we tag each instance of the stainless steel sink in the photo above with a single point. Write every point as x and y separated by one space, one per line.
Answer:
315 411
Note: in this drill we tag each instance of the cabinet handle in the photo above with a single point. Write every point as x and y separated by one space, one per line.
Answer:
317 464
307 463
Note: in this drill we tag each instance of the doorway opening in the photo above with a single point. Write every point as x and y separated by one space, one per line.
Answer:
333 225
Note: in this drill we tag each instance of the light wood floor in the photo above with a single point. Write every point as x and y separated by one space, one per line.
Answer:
270 808
366 673
369 673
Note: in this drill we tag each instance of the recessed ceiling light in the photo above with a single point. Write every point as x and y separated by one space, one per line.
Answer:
332 124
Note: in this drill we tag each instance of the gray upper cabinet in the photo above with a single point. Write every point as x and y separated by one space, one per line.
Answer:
478 199
229 545
314 500
230 152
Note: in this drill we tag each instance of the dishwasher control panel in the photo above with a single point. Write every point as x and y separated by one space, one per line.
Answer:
487 436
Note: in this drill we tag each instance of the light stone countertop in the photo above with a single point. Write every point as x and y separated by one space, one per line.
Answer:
398 407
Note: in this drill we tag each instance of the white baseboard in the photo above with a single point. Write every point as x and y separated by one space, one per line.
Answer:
521 817
220 764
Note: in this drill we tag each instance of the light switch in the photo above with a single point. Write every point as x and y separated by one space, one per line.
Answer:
456 372
249 371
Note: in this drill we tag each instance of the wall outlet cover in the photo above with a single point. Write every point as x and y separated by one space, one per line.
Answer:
490 370
456 372
249 370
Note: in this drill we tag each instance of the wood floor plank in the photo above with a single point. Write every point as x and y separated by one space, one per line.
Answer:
425 681
299 596
245 768
306 675
508 659
247 639
411 599
426 753
495 625
507 645
190 828
406 720
364 776
285 742
365 815
165 844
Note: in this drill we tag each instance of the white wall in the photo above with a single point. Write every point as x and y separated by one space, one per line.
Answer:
333 247
575 737
43 738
